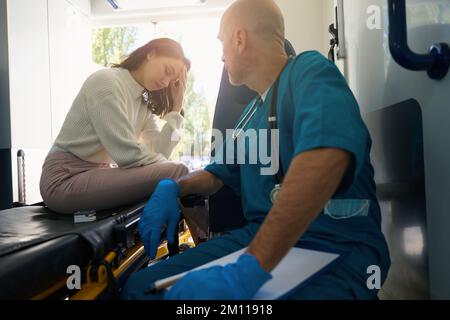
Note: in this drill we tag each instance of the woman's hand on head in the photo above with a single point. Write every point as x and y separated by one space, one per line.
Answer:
178 89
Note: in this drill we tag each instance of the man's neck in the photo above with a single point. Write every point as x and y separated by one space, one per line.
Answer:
267 73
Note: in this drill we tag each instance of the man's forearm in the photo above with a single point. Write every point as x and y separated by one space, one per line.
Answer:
199 182
312 180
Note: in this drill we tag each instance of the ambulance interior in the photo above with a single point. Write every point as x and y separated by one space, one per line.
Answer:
49 47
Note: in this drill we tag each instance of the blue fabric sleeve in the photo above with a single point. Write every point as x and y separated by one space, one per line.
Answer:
228 173
326 114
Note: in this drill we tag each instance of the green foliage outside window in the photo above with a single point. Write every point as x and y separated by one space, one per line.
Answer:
111 45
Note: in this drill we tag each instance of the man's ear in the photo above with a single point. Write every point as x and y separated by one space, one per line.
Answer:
241 39
150 55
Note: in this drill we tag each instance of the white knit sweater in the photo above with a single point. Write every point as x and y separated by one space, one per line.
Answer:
110 123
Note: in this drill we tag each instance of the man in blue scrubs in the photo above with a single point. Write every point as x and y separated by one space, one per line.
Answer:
327 196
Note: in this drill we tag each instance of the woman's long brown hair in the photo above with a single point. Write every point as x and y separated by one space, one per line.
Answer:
162 100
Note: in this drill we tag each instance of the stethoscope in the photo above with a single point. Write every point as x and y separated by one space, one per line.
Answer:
273 125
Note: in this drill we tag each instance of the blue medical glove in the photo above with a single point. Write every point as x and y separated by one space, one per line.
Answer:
237 281
162 209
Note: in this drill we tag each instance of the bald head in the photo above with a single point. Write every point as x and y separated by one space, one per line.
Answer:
252 33
262 19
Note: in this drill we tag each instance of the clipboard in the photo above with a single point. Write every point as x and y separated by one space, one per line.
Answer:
300 266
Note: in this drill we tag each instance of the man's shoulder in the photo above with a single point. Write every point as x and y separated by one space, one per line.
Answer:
309 59
312 65
311 54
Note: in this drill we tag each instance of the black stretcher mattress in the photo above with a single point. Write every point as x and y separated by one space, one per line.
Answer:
37 246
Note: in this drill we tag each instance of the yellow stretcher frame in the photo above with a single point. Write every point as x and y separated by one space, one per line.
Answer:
91 290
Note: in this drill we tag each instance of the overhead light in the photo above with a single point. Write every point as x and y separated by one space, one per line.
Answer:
156 4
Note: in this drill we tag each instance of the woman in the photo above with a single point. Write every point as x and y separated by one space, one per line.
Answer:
110 151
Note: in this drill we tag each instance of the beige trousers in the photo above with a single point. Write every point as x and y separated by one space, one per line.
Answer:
69 184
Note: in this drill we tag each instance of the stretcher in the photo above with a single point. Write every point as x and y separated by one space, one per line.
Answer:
40 248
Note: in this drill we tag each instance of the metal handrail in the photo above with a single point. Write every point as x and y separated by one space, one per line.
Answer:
436 62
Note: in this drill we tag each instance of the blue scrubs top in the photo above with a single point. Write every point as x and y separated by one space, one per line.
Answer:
316 109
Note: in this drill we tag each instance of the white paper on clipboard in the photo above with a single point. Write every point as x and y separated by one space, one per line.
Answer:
298 266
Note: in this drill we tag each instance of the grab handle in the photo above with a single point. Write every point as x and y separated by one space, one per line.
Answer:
436 62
